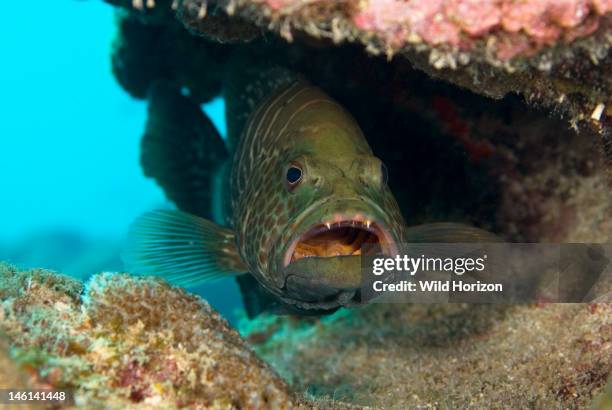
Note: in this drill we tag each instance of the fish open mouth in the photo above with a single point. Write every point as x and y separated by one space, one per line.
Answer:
342 238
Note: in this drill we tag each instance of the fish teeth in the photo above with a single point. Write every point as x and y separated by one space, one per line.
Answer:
202 11
353 222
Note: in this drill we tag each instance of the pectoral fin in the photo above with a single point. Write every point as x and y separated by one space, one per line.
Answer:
448 232
184 249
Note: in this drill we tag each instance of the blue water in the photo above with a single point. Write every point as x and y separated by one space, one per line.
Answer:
70 179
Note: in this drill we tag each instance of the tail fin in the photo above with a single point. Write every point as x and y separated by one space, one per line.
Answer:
184 249
182 150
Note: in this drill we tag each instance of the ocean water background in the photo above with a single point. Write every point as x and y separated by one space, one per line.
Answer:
70 178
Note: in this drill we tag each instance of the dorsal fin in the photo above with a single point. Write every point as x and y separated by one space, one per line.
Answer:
182 150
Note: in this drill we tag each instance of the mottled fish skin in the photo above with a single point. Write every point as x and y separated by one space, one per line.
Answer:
300 124
293 242
299 237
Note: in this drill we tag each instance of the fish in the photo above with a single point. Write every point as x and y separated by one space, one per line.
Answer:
286 204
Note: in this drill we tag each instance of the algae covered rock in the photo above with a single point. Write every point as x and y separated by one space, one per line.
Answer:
504 164
554 53
446 356
128 342
11 377
149 51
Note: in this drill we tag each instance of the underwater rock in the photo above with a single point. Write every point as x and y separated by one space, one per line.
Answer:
399 356
11 377
156 49
452 154
554 53
125 342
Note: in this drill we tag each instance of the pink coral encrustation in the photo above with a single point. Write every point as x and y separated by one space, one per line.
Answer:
522 27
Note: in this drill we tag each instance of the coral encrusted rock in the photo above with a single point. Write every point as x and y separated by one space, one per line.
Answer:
554 53
532 163
399 356
126 342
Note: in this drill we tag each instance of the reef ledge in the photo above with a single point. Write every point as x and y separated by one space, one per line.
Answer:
556 54
123 342
464 356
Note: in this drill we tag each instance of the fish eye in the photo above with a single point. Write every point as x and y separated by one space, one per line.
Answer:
384 172
294 175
